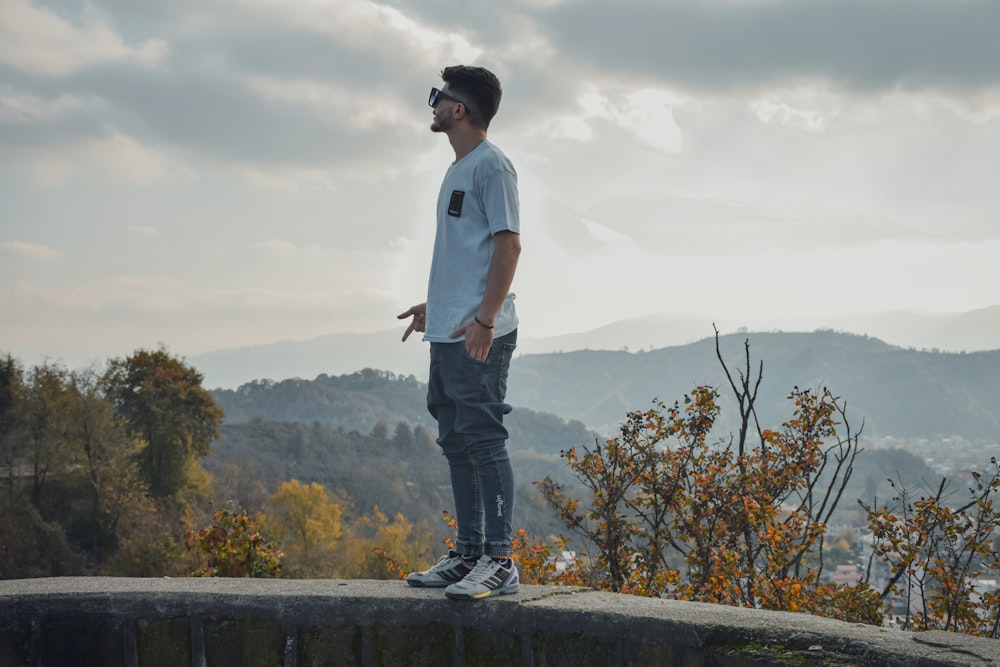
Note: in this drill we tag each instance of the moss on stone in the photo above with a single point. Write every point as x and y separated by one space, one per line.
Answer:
331 646
754 654
163 642
412 644
571 649
244 642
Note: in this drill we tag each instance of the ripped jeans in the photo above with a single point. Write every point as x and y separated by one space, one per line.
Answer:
466 397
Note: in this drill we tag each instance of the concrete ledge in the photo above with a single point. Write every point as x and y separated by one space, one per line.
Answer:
293 623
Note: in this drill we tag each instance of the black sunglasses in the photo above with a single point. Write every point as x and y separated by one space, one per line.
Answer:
438 95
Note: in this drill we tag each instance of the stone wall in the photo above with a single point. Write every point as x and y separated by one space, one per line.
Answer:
110 622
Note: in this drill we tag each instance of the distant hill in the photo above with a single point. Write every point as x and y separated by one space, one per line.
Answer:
368 433
971 331
354 401
337 354
897 391
360 402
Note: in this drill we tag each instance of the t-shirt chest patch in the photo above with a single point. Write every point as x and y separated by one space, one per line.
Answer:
455 203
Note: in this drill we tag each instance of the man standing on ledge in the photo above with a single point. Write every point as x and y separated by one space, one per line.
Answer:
471 325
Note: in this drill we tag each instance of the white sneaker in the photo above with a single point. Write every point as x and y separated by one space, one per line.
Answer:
448 570
489 577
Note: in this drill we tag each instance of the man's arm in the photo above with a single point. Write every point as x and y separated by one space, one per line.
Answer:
506 251
479 338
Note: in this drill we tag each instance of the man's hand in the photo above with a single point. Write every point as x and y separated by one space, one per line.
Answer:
478 339
419 321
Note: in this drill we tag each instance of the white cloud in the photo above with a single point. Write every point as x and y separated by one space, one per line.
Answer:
527 47
18 107
277 247
282 149
569 128
650 115
725 47
365 26
608 236
285 178
808 109
165 295
646 113
30 250
358 109
114 157
324 96
38 41
114 315
540 4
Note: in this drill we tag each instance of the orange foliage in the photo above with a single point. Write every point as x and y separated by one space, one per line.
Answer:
738 522
742 521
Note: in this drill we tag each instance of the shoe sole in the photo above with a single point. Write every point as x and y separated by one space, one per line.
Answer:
506 590
434 584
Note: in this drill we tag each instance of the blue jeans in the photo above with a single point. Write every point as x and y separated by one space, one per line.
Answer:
466 397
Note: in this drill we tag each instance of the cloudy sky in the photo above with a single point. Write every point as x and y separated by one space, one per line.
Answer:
216 173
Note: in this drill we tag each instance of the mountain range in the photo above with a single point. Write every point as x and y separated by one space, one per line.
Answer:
893 392
342 353
923 415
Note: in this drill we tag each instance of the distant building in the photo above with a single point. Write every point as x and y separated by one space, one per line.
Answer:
848 574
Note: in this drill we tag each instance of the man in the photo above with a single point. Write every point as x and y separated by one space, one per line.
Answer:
470 322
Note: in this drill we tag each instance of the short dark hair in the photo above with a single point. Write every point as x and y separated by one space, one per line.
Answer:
479 86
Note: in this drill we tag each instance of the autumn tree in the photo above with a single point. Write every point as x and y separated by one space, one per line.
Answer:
73 447
738 520
163 403
935 546
742 520
376 546
307 524
108 454
233 546
47 416
11 418
380 431
32 447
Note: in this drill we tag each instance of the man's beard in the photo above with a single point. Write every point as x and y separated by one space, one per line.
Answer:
441 123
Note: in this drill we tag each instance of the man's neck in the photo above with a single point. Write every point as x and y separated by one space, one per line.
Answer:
464 141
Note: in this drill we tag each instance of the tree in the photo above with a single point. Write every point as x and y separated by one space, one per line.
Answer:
12 391
30 546
74 501
108 454
935 548
738 520
376 548
163 403
380 431
403 436
47 415
307 524
234 547
59 434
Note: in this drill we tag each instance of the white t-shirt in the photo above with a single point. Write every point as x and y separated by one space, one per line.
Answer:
478 198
